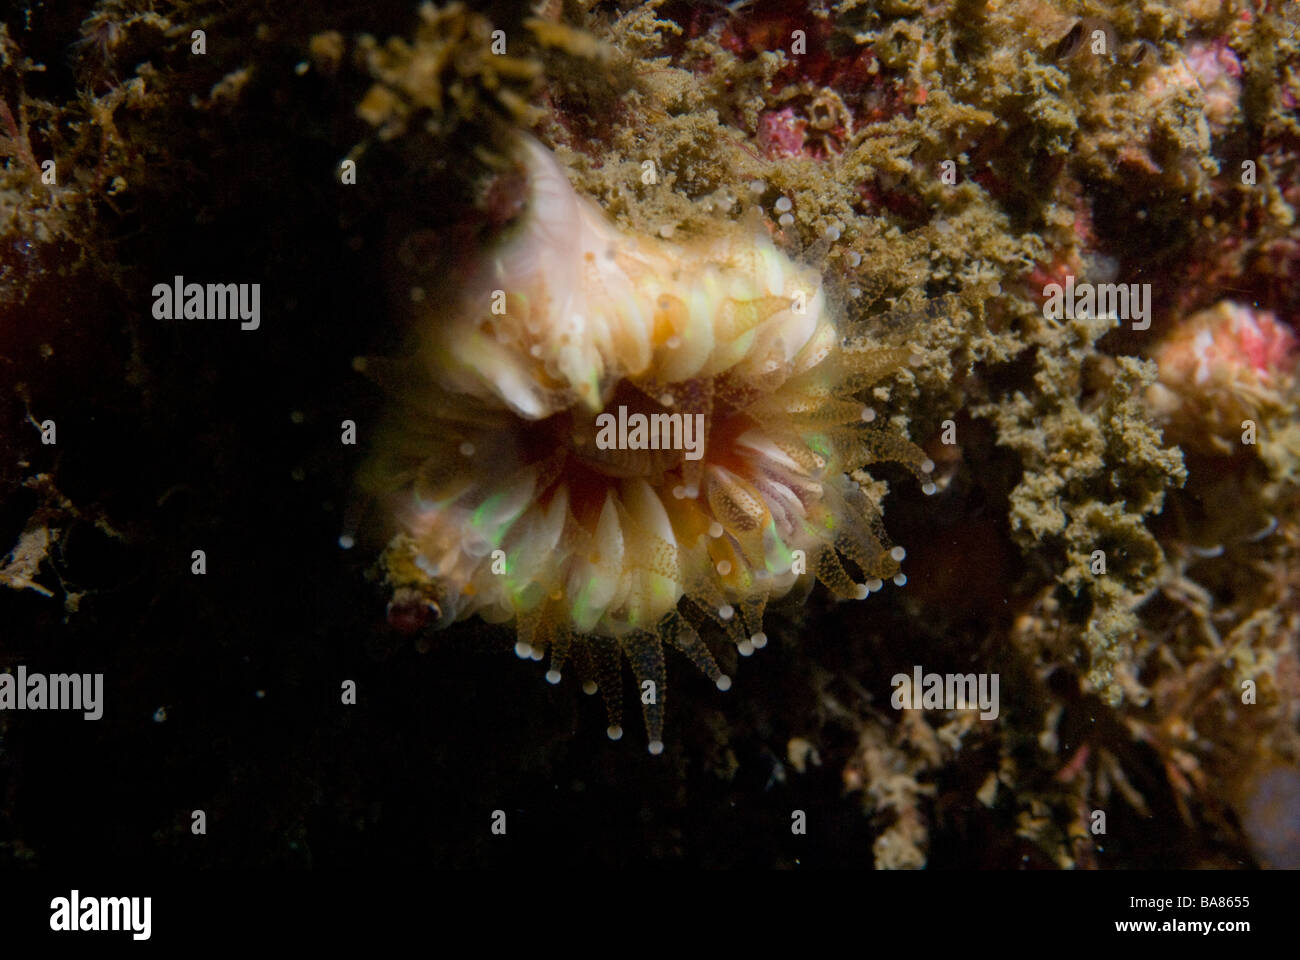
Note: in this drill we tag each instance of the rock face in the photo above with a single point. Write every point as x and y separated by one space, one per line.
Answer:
834 232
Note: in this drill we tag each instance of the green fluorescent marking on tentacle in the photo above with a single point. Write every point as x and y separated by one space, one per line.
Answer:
486 512
593 387
776 555
661 590
583 613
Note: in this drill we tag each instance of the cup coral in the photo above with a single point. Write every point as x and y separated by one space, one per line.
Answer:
517 499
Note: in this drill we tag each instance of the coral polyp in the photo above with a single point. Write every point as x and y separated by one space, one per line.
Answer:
620 442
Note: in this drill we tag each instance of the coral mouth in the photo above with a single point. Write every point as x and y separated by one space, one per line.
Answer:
658 435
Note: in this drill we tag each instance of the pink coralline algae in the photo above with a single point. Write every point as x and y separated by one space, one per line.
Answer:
1221 366
1212 68
1218 72
781 133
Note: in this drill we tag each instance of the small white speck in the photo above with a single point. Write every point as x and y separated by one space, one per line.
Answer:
874 584
724 683
786 220
832 234
160 715
783 204
745 648
467 449
523 650
900 580
868 414
715 529
589 687
301 67
679 492
898 553
666 231
855 292
927 466
614 733
855 258
692 492
726 611
724 567
656 747
759 640
757 186
666 400
861 591
673 342
536 653
552 677
929 489
347 541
